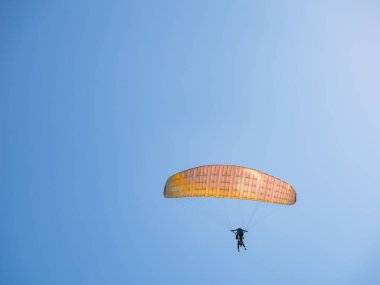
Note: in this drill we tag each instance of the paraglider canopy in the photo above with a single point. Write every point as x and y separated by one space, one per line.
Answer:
229 181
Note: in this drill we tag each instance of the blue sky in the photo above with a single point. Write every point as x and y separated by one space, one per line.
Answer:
101 101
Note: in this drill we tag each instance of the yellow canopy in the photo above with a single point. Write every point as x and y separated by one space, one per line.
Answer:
229 181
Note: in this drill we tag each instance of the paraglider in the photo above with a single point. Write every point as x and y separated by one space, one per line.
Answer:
231 182
239 234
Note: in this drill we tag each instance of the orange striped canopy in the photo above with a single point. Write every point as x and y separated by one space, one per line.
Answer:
229 181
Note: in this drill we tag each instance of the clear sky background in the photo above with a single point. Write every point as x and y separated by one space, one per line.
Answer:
101 101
